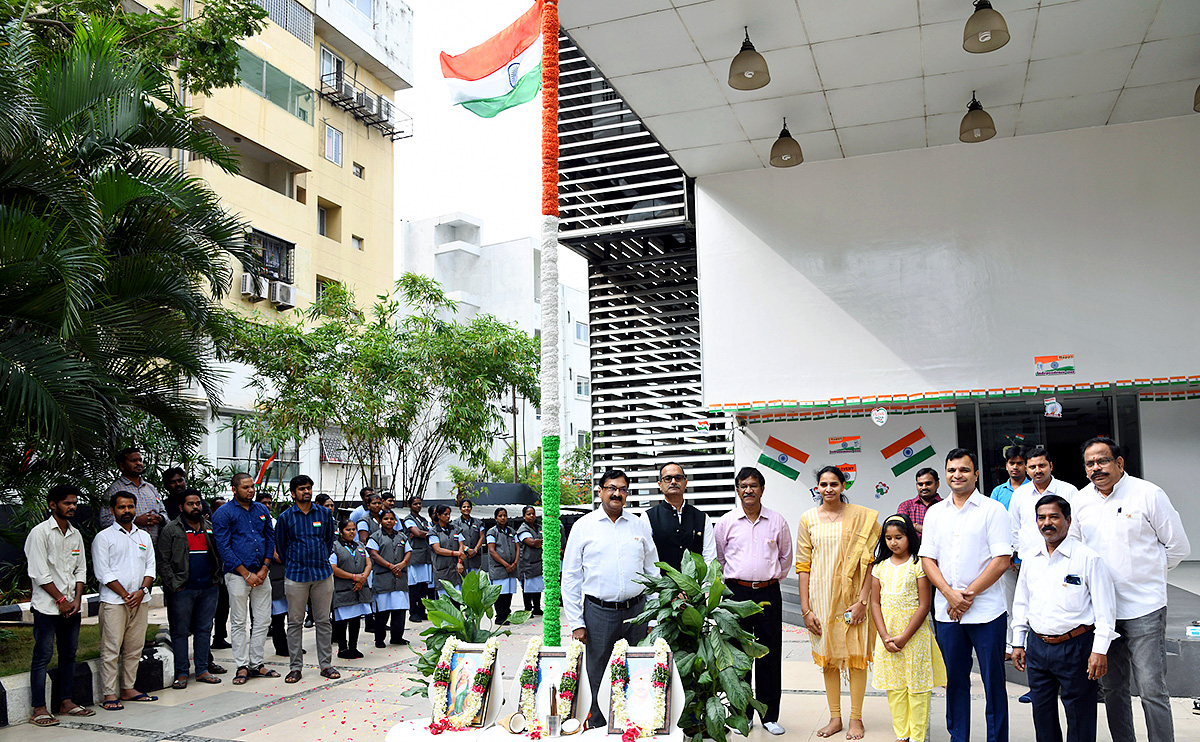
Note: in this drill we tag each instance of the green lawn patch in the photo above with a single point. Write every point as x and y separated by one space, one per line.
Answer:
16 647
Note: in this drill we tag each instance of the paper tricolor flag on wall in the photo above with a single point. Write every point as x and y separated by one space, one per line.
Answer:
907 452
781 457
502 72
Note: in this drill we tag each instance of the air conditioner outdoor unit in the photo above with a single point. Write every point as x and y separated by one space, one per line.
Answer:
348 91
283 295
366 101
254 288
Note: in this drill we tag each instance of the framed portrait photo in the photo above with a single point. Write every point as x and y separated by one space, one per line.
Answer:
464 663
552 663
641 699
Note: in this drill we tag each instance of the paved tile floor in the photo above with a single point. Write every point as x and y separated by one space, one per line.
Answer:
367 701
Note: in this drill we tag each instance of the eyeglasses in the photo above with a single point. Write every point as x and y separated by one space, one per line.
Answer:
673 478
1097 463
609 489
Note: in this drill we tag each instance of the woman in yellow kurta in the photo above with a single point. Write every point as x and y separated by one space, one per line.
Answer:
835 545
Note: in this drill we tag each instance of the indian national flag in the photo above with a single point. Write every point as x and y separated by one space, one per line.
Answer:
502 72
783 458
907 452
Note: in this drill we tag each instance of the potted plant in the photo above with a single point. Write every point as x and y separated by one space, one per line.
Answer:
459 614
712 651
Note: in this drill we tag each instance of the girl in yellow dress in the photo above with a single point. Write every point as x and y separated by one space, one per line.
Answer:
908 663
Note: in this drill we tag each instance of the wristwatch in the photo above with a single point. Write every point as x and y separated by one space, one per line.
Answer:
146 590
863 602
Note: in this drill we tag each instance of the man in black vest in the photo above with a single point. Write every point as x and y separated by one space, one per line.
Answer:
678 526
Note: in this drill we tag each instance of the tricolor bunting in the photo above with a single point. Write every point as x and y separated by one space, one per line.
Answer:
907 452
502 72
782 457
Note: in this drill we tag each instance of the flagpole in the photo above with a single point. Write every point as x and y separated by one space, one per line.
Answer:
551 526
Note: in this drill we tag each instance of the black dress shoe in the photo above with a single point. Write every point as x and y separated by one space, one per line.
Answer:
216 669
221 644
308 623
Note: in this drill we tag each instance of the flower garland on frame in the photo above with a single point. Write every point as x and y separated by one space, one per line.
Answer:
440 688
619 670
567 684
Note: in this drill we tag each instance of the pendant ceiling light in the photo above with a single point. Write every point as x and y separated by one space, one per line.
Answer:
986 30
785 152
749 69
977 125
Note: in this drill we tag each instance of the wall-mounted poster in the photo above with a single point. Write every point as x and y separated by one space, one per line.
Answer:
1054 365
845 444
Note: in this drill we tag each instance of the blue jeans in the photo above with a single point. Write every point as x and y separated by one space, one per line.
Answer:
190 613
47 630
1141 652
957 640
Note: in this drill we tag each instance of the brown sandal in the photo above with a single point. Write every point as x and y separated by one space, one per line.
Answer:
330 673
293 677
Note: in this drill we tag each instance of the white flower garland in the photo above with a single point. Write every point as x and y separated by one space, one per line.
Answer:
528 680
633 729
440 688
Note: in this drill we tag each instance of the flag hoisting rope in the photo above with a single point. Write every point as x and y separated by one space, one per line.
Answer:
551 482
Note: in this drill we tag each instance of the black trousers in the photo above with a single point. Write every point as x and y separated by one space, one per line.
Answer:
767 628
221 619
604 627
416 592
1061 670
503 608
279 634
381 625
345 633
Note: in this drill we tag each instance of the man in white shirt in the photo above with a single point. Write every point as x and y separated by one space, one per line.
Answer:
1132 525
1064 619
57 568
123 557
965 551
679 527
1022 509
607 550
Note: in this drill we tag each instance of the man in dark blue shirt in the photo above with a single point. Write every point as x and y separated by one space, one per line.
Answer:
245 543
304 535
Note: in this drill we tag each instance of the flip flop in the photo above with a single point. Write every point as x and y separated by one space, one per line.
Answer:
78 711
44 720
262 671
207 678
142 698
113 705
180 682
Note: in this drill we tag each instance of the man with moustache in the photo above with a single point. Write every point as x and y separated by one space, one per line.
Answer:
190 570
57 567
964 555
607 550
151 513
1133 526
678 526
1022 509
246 544
927 497
304 536
1063 623
123 557
754 545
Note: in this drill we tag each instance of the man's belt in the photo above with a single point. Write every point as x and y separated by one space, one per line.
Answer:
1077 631
617 605
755 585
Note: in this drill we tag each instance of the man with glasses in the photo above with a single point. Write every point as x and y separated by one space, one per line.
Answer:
607 550
754 545
678 526
1133 526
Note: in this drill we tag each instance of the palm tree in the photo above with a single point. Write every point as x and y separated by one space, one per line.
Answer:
111 260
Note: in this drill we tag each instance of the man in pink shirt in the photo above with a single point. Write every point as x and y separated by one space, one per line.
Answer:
754 546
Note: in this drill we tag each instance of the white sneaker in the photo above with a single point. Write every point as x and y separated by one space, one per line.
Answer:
751 726
773 727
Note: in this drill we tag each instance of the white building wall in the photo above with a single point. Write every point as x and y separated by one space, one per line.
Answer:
1169 436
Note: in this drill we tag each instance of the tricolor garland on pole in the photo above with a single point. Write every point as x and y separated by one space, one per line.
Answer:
551 526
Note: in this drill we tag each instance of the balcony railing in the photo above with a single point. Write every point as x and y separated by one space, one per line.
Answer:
368 107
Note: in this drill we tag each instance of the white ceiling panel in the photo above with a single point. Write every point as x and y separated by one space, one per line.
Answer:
994 86
1175 18
792 72
717 28
808 112
696 128
894 55
1155 101
886 137
815 145
671 90
856 77
1089 25
887 101
721 158
942 51
573 14
1166 61
1094 72
1066 113
827 21
647 42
